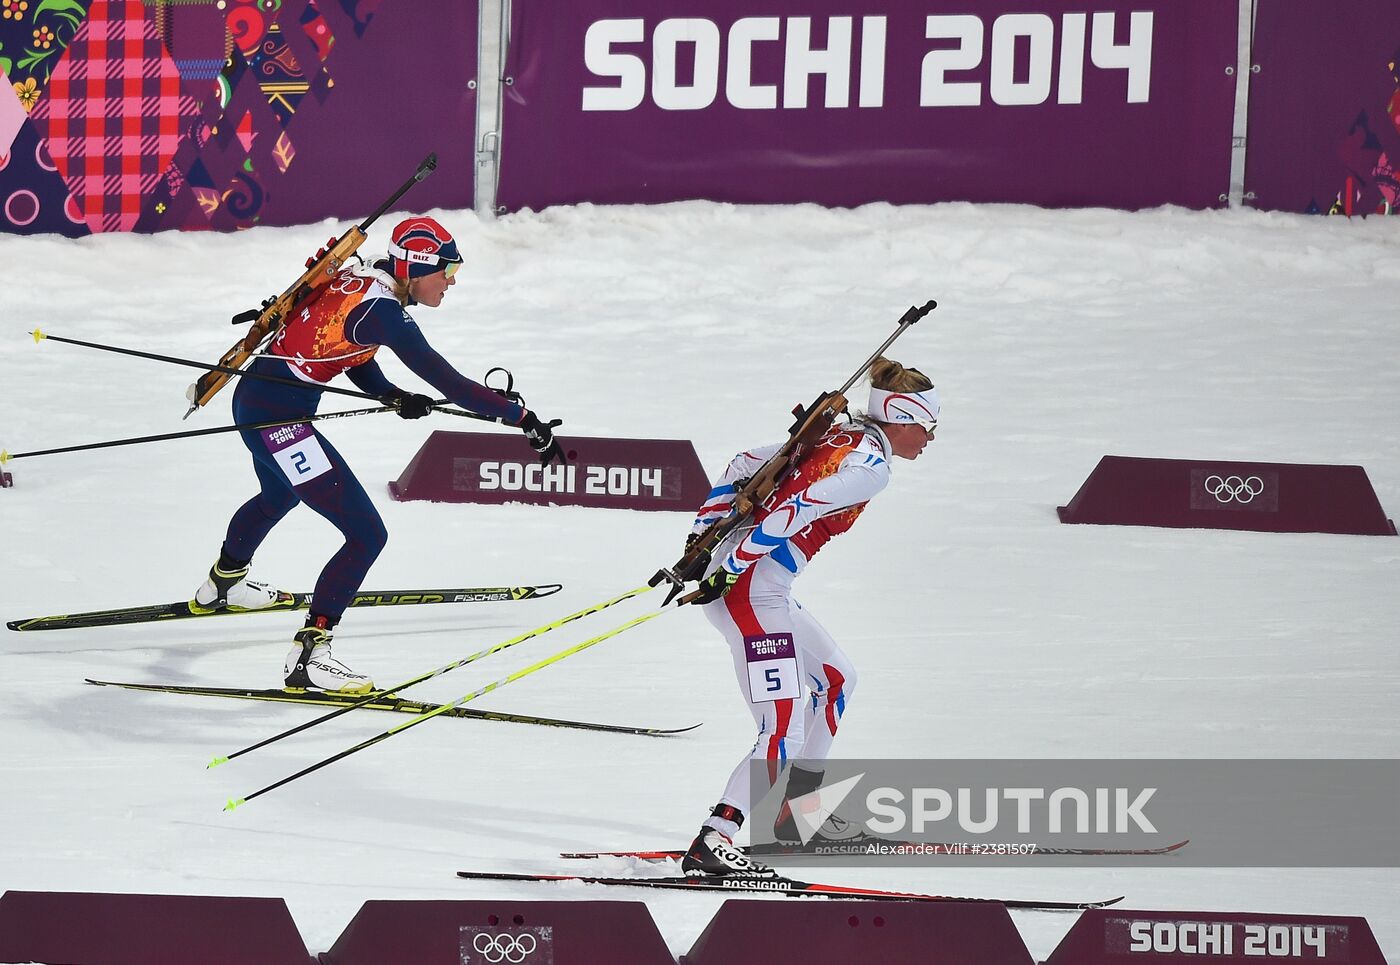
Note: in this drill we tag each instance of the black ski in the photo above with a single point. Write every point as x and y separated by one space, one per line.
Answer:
400 705
186 609
859 845
783 886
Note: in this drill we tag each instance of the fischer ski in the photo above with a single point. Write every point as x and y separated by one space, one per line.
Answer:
388 702
782 886
187 609
929 847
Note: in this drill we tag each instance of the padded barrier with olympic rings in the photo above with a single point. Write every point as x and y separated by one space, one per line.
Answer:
87 929
1263 496
121 929
501 933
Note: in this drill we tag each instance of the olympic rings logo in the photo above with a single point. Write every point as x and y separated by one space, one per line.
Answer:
505 948
1234 488
348 285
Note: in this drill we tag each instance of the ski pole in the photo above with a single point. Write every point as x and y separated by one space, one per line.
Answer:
444 708
380 694
6 456
40 336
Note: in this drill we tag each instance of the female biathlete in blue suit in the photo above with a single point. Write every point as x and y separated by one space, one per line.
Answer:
340 330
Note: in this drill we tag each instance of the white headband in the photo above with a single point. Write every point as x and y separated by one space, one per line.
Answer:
407 254
903 406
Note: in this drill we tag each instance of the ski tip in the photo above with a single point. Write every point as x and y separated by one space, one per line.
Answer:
1090 905
38 336
216 762
232 803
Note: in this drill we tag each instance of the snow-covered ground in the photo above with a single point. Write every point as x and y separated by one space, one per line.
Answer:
982 626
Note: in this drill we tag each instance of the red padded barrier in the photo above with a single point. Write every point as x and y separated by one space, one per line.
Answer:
888 932
96 929
1268 496
481 467
1110 936
475 932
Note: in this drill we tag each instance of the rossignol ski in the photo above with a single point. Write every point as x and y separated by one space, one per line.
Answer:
187 609
812 423
783 886
383 701
927 847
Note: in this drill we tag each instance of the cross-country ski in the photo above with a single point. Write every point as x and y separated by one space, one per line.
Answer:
792 887
399 705
282 602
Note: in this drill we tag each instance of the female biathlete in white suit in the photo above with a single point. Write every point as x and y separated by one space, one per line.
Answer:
779 649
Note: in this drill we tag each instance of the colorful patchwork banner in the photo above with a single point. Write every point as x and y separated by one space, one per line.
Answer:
153 114
112 113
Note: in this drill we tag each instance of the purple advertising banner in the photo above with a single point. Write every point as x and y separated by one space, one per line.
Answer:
486 467
1124 103
1109 936
1324 107
123 115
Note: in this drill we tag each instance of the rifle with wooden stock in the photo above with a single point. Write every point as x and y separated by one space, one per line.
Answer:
810 425
270 316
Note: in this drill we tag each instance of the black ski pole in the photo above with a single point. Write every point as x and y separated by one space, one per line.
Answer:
40 336
6 456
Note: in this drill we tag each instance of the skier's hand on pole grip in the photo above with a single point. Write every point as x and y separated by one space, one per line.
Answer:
409 405
695 559
714 586
541 437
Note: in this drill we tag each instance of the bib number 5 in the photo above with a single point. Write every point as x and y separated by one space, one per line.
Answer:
772 665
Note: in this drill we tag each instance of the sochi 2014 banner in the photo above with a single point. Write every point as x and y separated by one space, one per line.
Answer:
1124 103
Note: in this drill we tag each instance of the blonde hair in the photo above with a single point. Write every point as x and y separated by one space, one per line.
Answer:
399 288
891 376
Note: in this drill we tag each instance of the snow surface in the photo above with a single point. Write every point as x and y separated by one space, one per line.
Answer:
982 627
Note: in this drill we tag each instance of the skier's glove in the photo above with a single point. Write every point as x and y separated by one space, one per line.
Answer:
702 559
715 585
409 405
541 436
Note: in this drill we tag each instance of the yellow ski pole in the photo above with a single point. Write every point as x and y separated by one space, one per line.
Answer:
538 665
380 694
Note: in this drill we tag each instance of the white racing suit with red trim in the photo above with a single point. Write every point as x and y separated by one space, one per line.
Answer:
822 498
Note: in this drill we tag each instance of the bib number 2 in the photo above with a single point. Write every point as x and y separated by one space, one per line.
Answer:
772 663
298 452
